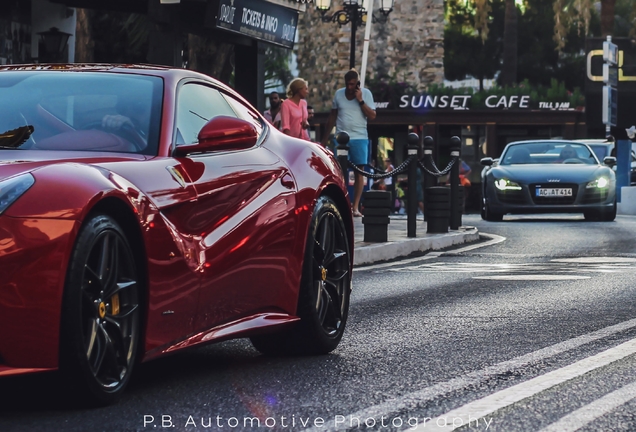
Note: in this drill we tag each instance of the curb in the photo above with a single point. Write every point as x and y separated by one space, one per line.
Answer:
370 253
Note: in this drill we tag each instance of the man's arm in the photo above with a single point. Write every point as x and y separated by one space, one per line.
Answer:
331 121
366 109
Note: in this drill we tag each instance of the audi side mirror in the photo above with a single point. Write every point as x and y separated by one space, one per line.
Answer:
487 161
610 161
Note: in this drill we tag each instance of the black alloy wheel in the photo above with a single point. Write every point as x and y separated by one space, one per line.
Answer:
330 272
101 313
323 303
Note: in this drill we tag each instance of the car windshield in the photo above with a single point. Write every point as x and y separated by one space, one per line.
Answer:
600 150
547 153
80 111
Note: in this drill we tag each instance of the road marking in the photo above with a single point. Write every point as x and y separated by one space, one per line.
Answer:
597 260
540 269
532 277
504 398
590 412
418 398
494 239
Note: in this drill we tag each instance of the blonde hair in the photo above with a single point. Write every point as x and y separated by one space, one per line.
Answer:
295 86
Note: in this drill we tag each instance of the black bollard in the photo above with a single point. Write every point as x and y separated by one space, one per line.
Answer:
411 195
438 210
342 153
375 215
455 208
429 179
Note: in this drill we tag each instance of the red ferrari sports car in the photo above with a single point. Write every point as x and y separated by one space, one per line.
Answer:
145 210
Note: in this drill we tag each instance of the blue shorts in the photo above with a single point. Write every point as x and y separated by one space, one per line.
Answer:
358 151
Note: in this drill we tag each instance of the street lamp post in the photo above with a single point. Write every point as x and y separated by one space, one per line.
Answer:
354 12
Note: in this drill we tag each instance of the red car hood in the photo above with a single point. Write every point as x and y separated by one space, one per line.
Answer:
14 162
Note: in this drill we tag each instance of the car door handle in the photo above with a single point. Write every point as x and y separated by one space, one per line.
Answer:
288 181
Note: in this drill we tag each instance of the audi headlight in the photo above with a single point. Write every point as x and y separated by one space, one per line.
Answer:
12 188
505 184
599 183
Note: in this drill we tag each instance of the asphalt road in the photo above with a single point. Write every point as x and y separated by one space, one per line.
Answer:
534 328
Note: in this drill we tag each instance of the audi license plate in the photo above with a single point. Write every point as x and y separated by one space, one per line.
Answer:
554 192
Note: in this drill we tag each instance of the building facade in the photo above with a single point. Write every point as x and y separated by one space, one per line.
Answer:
408 47
23 23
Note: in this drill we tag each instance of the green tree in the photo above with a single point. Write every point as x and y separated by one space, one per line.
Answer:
469 50
538 60
510 44
277 70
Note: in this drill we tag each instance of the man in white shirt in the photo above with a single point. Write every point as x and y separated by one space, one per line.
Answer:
351 108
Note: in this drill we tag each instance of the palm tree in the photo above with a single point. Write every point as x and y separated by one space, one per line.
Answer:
607 17
509 66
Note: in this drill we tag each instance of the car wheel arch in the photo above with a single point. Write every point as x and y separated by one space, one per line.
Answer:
335 193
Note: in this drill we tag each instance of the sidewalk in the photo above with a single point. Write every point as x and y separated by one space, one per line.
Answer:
399 245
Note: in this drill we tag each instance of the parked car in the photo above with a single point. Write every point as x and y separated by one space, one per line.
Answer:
145 210
604 148
546 176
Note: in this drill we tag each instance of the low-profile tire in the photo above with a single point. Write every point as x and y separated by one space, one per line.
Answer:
325 288
491 216
101 318
609 214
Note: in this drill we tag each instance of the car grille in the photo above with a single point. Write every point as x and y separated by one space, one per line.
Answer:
594 196
511 197
564 200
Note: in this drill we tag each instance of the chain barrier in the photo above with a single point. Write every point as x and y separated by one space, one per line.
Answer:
399 170
403 167
437 172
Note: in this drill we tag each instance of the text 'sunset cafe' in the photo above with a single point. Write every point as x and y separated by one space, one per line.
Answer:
485 121
460 102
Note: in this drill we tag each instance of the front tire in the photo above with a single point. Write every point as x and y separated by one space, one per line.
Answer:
101 319
491 216
608 215
323 302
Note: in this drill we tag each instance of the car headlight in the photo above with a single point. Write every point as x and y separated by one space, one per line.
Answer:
505 184
599 183
12 188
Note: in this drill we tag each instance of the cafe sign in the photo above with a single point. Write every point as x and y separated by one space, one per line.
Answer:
466 102
258 19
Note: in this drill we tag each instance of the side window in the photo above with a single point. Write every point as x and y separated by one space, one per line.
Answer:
196 105
245 113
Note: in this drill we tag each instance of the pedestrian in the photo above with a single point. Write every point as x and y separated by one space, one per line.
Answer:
272 115
464 172
294 109
350 110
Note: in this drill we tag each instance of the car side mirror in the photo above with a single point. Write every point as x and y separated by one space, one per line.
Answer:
487 161
609 161
221 133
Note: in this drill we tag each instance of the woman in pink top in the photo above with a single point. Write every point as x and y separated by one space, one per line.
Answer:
294 109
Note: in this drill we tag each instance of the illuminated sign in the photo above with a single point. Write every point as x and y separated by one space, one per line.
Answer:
621 75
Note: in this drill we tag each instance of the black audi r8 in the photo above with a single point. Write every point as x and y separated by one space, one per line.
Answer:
547 176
